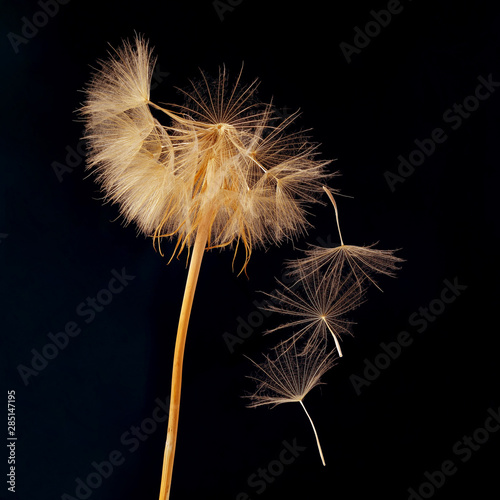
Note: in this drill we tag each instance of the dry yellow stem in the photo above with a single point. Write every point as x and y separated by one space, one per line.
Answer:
175 394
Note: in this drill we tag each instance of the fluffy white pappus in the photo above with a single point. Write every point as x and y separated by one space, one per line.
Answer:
290 373
129 150
121 82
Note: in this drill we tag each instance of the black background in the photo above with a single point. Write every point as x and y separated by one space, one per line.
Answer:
58 245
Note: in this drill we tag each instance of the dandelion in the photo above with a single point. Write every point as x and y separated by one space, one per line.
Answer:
361 262
223 171
224 164
316 310
288 376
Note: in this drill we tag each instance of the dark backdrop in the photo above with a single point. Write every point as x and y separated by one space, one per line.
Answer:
386 424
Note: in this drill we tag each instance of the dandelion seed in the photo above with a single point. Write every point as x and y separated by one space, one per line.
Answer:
334 263
288 377
316 310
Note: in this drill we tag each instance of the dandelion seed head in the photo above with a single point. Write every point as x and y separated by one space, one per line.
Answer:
223 158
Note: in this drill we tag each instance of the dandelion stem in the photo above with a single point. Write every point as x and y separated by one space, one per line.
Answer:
175 395
332 199
337 344
315 433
